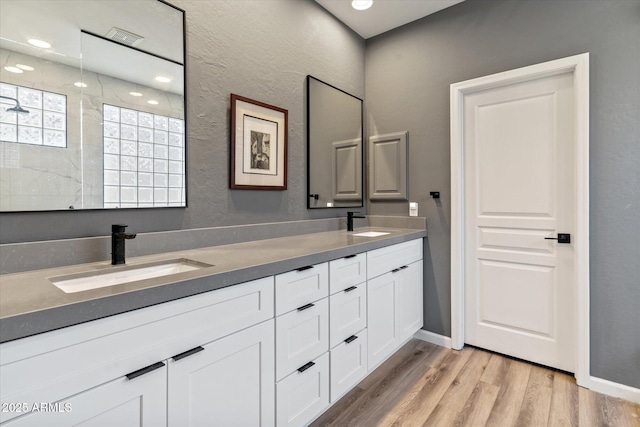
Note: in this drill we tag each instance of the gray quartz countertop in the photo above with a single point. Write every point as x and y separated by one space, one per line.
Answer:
30 304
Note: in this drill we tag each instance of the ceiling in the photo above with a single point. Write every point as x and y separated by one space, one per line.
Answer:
384 15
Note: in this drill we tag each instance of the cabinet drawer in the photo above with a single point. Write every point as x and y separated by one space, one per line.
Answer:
301 336
346 272
96 352
383 260
299 287
302 396
348 364
348 313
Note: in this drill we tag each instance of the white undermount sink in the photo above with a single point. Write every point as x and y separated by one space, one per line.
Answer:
117 275
370 234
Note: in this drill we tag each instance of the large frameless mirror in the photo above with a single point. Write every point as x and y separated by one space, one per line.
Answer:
334 146
92 106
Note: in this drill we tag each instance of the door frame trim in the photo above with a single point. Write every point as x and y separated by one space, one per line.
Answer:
578 65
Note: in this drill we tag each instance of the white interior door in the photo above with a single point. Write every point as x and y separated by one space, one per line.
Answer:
519 186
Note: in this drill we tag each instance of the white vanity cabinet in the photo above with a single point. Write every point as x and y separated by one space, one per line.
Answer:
121 402
274 351
394 295
102 368
229 381
302 342
348 323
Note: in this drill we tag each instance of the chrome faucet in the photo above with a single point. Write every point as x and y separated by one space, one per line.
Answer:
350 217
118 237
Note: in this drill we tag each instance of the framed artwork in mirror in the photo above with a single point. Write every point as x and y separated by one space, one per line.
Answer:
258 145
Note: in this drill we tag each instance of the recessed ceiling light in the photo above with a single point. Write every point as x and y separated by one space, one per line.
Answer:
135 94
39 43
80 84
361 4
152 102
25 67
14 70
163 79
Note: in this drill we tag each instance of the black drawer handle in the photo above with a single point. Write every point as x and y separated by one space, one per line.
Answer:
395 270
351 339
352 288
350 256
139 372
187 353
308 267
404 266
304 307
305 366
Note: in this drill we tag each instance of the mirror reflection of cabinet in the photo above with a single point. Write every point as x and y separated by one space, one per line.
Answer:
334 146
105 126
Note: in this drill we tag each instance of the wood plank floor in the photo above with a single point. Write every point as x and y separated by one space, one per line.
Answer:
427 385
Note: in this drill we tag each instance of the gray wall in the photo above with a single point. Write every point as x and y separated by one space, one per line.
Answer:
408 73
259 49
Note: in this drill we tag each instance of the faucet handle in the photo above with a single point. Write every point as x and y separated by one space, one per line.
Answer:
118 228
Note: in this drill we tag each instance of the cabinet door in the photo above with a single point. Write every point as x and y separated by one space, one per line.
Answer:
229 383
409 299
122 402
299 287
301 336
347 313
348 364
304 394
382 318
346 272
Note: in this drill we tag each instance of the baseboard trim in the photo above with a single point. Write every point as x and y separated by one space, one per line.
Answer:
611 388
433 338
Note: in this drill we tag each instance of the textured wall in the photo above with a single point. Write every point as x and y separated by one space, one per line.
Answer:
259 49
408 73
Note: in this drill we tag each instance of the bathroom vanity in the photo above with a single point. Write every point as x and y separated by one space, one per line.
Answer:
271 333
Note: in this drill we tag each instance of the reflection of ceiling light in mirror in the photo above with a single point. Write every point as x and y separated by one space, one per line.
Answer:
14 70
25 67
163 79
152 102
361 4
39 43
135 94
80 84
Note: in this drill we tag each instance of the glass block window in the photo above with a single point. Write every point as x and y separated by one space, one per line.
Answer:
143 159
44 124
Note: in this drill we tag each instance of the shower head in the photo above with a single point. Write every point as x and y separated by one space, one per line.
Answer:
18 108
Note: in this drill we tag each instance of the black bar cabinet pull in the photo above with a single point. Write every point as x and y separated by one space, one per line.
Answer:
403 267
308 267
139 372
395 270
352 288
305 366
187 353
304 307
350 256
351 339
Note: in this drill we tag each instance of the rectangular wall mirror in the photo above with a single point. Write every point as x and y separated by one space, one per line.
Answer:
334 147
92 106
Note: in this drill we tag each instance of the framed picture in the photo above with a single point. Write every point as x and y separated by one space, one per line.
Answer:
258 145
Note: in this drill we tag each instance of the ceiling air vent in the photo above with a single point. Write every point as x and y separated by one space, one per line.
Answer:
124 37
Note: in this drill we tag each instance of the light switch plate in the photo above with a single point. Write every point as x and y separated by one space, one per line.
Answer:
413 209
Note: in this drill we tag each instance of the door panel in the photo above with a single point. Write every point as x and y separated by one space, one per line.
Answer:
229 383
519 167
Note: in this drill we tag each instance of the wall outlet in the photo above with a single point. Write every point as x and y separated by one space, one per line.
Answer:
413 209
